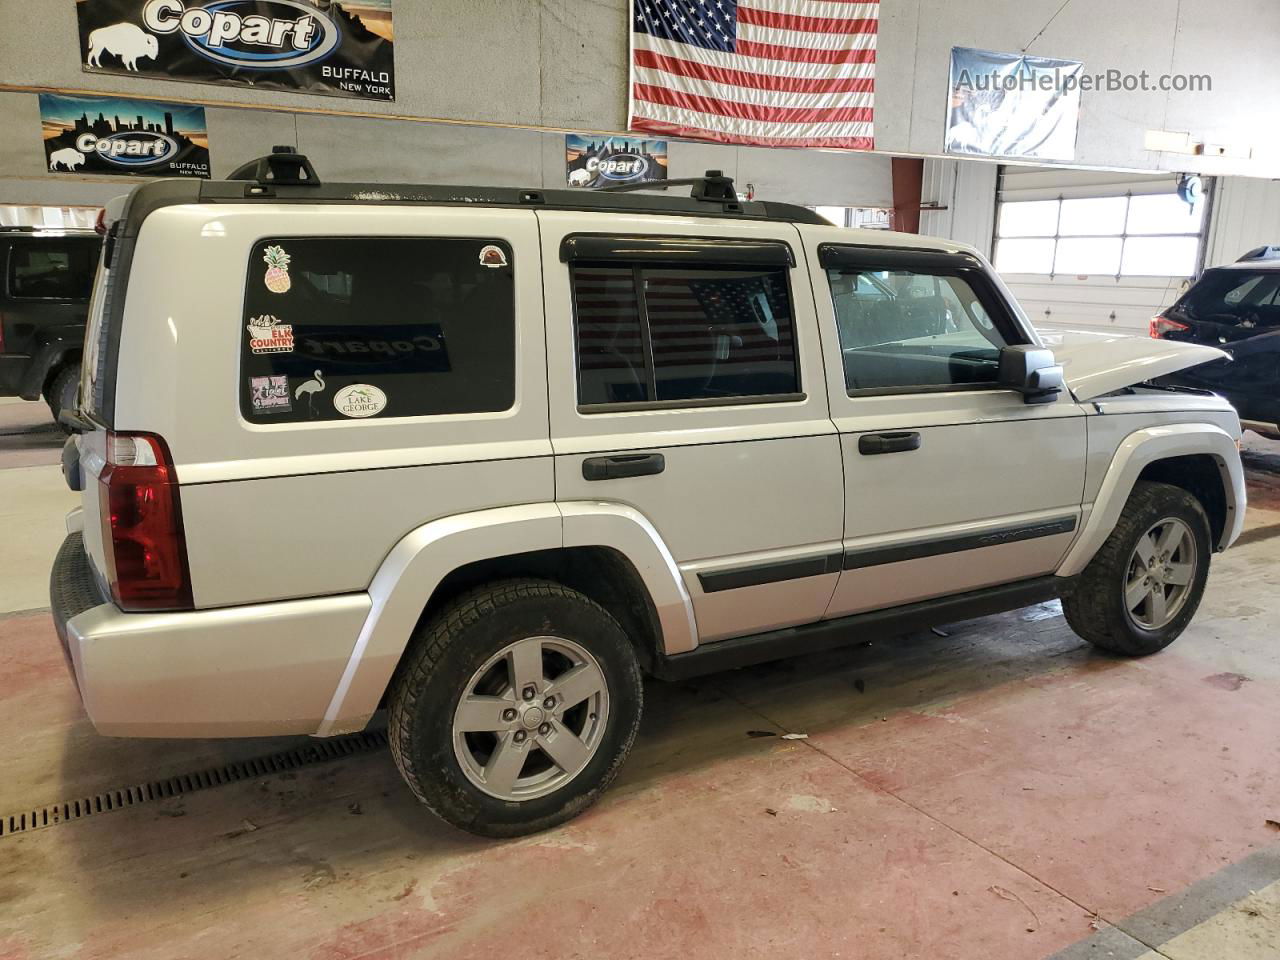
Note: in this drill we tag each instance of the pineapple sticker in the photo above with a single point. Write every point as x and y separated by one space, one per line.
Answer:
277 278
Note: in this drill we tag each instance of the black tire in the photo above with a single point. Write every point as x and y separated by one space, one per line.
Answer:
61 394
1095 609
444 654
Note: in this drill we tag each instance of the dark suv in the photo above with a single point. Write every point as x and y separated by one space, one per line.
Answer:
44 299
1235 308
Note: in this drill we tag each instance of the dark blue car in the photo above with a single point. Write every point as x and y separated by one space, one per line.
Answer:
1235 308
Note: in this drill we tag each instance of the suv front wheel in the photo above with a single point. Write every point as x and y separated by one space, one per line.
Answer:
515 707
1143 586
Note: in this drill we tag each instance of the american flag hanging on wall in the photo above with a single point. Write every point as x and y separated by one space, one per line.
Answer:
774 73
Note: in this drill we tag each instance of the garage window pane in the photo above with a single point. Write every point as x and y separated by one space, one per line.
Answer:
1093 217
1160 256
1164 213
1088 255
1024 256
1034 218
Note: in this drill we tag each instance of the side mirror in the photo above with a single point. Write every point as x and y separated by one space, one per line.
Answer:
1032 372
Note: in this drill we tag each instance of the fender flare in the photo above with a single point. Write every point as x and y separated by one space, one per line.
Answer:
626 529
52 350
421 560
1140 449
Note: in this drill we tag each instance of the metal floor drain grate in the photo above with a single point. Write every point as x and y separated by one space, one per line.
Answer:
319 752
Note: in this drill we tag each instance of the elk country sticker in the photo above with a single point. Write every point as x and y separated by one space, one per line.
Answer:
342 48
269 394
492 256
122 137
268 335
360 400
277 275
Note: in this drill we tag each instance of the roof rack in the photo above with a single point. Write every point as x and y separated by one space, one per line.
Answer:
1262 253
286 176
283 166
714 186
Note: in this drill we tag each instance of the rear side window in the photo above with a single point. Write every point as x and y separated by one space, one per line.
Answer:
340 328
1234 297
701 334
52 269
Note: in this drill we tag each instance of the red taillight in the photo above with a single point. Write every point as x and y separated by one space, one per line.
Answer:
142 537
1162 326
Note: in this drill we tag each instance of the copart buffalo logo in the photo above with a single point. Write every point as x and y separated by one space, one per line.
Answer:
619 166
248 34
129 148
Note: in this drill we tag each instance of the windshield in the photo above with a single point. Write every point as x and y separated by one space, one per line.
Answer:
1234 296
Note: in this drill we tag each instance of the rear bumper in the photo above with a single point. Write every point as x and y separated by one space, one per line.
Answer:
13 370
260 670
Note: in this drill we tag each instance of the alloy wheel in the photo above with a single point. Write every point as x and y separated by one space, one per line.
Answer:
1161 570
531 718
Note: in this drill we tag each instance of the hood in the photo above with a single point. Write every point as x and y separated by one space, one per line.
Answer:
1096 364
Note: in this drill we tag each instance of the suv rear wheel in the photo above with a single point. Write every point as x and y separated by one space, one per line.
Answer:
515 707
61 394
1143 586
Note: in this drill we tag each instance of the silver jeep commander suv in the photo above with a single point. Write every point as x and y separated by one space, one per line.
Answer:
486 456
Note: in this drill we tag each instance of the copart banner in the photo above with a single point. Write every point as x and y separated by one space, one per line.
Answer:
114 135
603 161
342 48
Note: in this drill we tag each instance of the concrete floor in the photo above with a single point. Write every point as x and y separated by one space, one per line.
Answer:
992 790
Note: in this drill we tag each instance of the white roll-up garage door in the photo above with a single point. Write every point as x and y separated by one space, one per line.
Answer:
1095 250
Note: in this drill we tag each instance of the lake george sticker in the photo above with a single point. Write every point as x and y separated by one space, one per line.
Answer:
492 256
359 400
268 335
269 394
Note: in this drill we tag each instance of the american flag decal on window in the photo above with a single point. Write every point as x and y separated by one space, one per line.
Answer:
774 73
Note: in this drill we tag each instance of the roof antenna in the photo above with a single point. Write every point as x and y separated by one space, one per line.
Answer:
283 166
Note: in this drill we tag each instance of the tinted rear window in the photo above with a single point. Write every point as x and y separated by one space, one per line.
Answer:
650 333
1230 296
356 327
52 269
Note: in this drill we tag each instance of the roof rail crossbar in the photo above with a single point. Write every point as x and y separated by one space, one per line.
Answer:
1261 253
283 166
713 186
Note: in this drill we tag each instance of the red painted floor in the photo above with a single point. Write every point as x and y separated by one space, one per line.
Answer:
981 796
999 791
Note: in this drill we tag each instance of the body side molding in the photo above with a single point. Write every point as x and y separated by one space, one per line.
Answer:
873 625
1138 450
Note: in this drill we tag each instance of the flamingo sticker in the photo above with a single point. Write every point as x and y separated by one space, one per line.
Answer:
308 389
